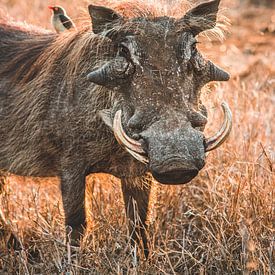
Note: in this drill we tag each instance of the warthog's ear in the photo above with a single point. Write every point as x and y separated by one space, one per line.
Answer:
201 17
102 18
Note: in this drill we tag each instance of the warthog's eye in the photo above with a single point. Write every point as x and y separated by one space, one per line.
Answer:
124 52
194 49
187 47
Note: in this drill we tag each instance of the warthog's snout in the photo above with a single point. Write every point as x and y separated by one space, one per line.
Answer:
175 156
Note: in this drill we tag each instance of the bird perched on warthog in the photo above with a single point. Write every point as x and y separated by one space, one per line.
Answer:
123 99
60 20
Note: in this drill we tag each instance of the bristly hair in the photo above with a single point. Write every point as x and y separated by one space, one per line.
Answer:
158 8
28 51
148 8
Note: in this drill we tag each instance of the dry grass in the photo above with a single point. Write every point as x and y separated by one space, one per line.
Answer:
220 223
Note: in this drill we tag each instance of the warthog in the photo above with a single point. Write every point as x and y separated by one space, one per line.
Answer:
122 98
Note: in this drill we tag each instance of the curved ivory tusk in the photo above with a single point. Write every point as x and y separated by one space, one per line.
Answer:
132 146
137 156
219 138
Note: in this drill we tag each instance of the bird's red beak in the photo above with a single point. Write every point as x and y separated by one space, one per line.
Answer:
51 7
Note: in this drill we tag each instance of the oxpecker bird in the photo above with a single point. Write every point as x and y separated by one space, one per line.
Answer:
60 20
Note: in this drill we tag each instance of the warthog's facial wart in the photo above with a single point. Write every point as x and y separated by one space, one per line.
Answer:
157 73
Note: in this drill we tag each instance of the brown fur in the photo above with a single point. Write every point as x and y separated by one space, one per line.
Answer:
39 72
49 124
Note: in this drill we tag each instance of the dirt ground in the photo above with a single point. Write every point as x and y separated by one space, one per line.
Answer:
220 223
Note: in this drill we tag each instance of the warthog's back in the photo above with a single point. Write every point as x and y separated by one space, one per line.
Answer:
19 50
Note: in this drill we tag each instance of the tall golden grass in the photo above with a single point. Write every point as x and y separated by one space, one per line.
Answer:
220 223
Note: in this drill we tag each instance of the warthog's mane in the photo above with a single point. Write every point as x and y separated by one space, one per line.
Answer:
159 8
147 8
28 52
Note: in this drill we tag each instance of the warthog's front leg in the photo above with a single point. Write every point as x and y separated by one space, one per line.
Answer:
12 240
73 197
136 194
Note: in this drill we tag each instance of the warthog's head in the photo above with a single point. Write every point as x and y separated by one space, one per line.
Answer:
157 73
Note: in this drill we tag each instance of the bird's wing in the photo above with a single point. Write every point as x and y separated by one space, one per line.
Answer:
66 21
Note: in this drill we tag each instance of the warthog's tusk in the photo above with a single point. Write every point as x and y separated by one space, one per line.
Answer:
219 138
138 156
132 146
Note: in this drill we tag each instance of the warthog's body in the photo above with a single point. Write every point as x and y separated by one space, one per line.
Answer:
48 121
54 122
